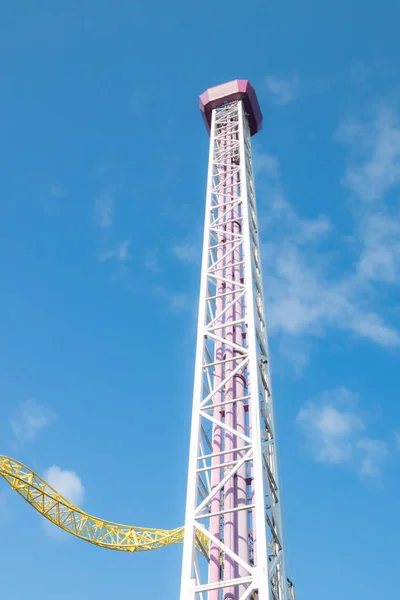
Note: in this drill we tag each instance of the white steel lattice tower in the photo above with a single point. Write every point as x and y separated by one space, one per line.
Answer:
233 546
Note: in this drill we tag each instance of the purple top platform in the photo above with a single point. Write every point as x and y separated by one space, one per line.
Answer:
239 89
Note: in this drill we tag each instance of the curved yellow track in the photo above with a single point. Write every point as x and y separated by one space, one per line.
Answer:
57 509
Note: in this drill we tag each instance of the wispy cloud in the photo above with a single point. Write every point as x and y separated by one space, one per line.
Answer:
176 301
116 252
30 419
120 253
181 302
57 192
304 296
282 91
374 154
372 176
266 163
303 299
296 353
151 261
276 210
374 453
104 212
123 250
140 98
69 485
188 252
329 427
334 432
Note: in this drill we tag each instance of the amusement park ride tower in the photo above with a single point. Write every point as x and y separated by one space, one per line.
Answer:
233 544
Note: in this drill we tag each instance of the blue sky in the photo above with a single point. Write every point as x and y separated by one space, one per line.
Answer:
103 164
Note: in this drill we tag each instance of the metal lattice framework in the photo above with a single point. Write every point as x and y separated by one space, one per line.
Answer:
57 509
233 497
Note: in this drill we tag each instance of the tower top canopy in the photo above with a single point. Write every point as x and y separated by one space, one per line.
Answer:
238 89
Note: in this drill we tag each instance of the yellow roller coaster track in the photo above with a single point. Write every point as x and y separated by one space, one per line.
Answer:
57 509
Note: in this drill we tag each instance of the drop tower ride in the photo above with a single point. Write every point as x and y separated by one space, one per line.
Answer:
233 543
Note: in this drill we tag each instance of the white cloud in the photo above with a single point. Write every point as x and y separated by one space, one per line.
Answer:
120 253
333 431
370 326
187 252
30 419
104 212
57 192
151 261
296 353
283 91
380 256
266 163
181 302
276 210
123 250
69 485
176 301
303 295
329 430
374 160
375 453
373 176
303 300
141 98
306 293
